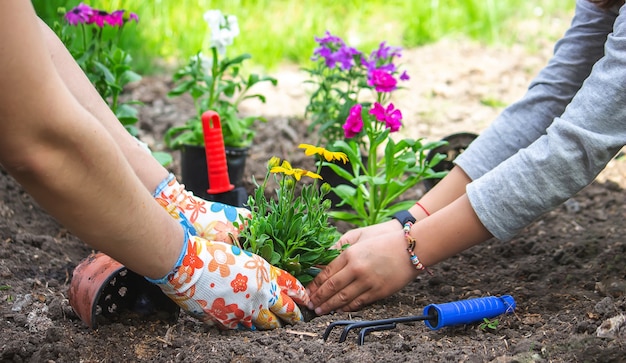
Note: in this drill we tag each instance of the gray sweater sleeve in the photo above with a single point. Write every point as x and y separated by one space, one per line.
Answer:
553 142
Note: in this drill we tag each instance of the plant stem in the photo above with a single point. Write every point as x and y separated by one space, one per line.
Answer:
214 78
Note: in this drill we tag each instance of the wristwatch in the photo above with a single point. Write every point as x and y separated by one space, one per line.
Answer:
403 217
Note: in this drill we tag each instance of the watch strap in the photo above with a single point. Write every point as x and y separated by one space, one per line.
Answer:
404 216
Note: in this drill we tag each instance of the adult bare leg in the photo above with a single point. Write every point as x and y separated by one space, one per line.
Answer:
64 157
147 168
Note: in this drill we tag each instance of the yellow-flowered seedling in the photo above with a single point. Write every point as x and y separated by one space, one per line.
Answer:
291 230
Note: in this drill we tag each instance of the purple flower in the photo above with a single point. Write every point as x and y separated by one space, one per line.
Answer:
391 116
386 53
345 57
329 39
381 80
79 14
382 58
334 50
354 122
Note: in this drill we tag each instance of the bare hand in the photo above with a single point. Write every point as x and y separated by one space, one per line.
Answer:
375 266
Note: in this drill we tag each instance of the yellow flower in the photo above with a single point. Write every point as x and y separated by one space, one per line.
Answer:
274 161
327 155
284 168
297 173
313 175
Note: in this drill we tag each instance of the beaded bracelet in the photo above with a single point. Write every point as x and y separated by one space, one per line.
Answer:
411 241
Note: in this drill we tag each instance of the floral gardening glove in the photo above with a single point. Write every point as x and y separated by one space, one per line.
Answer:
218 282
210 220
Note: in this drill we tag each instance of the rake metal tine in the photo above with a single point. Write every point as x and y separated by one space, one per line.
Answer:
330 327
369 329
373 323
351 324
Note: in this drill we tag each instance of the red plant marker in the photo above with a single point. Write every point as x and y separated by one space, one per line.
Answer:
219 181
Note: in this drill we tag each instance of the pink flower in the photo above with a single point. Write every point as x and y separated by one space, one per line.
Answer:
116 18
354 122
382 81
79 14
390 116
120 17
98 17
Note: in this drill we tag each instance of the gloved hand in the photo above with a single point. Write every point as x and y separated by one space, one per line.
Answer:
210 220
218 282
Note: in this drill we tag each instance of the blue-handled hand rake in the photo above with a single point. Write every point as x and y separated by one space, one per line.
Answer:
435 316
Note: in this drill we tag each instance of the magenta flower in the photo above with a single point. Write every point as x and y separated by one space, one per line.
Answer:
382 81
354 122
120 17
79 14
391 116
132 17
116 18
98 17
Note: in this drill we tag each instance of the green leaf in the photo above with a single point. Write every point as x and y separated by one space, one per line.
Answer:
106 72
126 114
130 76
165 159
181 88
266 251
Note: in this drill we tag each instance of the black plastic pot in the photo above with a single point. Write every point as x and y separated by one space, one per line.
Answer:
330 177
236 162
194 174
457 143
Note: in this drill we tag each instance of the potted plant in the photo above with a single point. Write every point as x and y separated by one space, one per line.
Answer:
215 83
360 124
390 169
342 78
291 230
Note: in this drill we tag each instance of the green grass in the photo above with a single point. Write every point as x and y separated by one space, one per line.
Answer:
282 30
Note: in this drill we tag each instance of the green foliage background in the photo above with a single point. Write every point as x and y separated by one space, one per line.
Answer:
276 31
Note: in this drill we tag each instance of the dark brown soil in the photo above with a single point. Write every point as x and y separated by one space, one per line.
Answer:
567 273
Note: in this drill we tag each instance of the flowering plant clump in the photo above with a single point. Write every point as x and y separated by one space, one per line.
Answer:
341 74
292 231
216 83
93 36
381 169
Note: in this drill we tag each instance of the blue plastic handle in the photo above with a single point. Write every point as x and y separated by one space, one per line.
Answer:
468 311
